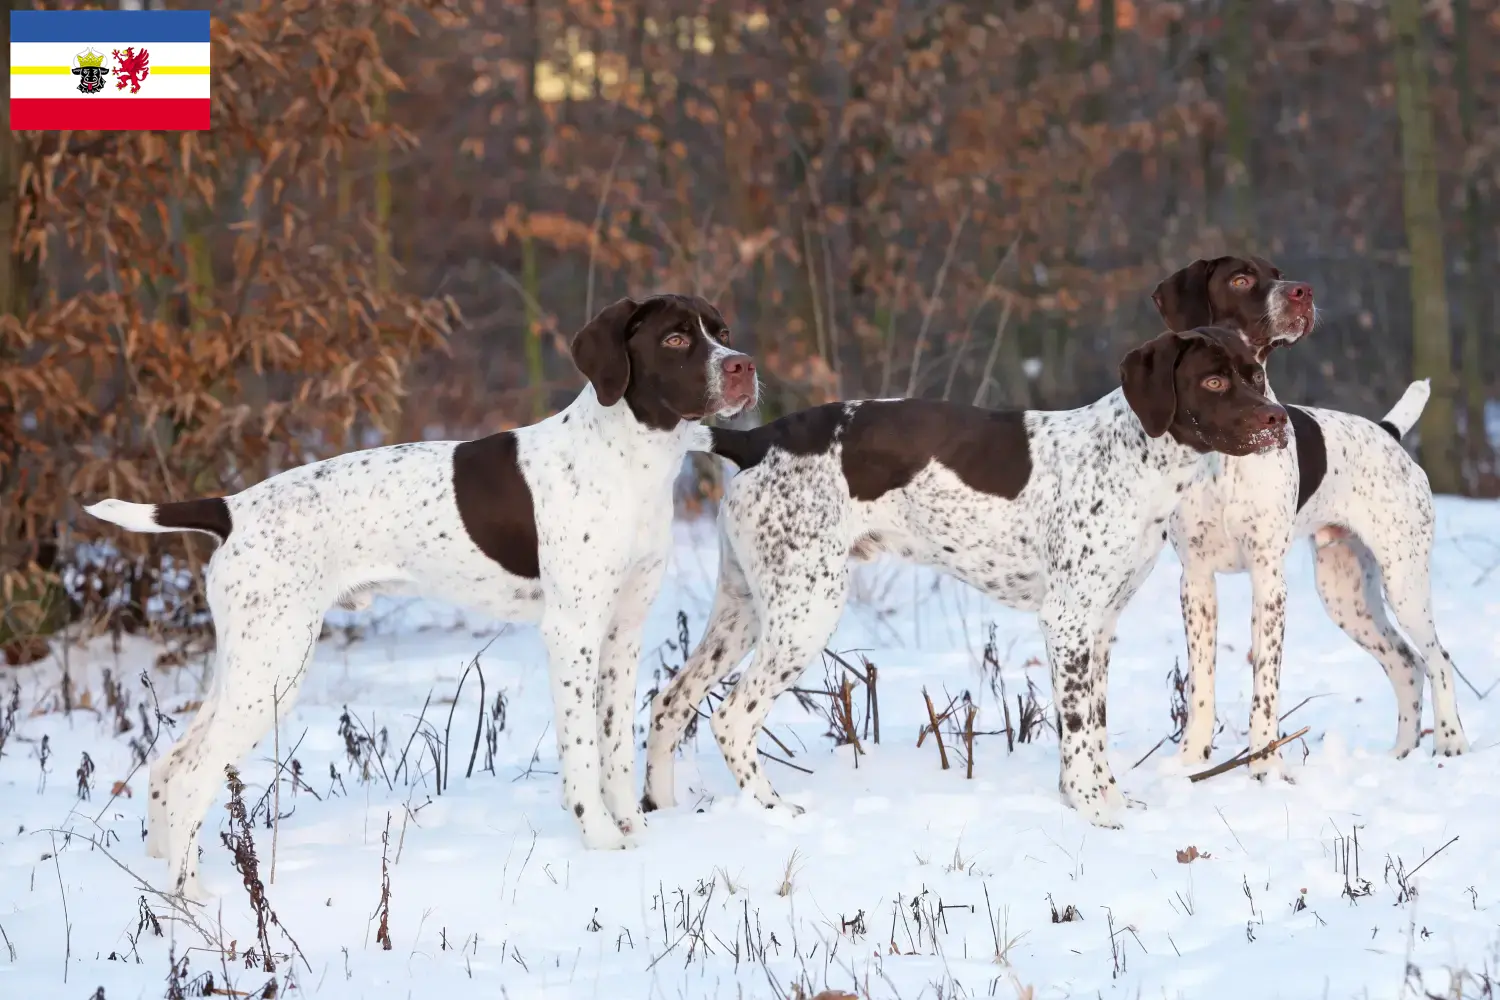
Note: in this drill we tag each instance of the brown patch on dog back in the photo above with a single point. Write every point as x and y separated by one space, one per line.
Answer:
888 442
494 503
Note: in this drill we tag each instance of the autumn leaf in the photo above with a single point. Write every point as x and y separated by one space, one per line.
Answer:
1188 855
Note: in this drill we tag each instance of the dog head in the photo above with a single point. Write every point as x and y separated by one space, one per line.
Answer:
668 357
1245 294
1206 388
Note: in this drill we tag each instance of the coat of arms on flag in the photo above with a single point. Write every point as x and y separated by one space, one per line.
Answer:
109 69
90 69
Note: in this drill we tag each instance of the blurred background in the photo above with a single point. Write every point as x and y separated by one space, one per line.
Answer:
406 207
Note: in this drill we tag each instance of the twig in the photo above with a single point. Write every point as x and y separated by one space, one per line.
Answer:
1246 757
785 763
984 297
1148 753
969 738
67 922
448 726
937 734
989 364
1299 704
609 181
1429 857
383 932
478 721
937 291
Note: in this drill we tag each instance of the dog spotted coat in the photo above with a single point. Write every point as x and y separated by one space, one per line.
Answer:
1349 487
566 523
1062 513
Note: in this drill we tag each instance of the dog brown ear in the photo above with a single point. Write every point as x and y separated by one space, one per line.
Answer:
1182 299
1149 377
599 350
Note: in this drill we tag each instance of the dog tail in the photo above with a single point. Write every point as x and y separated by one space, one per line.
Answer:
210 516
1408 408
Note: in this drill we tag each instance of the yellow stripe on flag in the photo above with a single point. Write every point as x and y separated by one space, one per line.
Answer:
66 70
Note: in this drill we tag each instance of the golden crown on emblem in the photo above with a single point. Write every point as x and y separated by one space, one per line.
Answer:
90 58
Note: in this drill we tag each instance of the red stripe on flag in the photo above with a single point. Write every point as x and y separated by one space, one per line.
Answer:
82 114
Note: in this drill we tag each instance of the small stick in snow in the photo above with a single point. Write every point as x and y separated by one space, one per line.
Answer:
1245 757
935 729
969 739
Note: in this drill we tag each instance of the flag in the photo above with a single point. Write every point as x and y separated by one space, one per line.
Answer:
109 69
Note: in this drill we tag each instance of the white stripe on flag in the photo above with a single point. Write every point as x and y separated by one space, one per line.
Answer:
63 53
67 86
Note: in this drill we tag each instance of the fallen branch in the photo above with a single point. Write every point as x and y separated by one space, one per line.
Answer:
1246 757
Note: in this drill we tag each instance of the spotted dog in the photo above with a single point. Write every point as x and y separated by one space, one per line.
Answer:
1348 485
1062 513
566 522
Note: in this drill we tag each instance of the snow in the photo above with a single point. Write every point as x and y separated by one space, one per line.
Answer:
901 880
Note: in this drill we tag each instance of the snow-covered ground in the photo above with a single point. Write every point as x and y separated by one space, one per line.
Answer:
901 880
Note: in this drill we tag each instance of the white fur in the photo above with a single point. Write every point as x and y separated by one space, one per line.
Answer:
386 520
135 516
1371 523
1074 546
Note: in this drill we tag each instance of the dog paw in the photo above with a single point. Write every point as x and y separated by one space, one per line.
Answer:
790 808
1094 808
606 838
1270 771
1449 743
632 822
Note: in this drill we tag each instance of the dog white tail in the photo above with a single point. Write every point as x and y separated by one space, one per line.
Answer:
135 516
1403 416
209 515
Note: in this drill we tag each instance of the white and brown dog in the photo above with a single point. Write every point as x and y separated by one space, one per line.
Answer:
566 522
1348 485
1062 513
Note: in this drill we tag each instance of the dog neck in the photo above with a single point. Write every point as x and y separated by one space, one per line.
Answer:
618 426
1164 455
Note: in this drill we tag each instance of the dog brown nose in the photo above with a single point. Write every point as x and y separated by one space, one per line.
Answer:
1274 417
1300 293
737 366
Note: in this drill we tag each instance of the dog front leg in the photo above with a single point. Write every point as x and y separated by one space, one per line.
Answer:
1268 632
1071 631
618 669
574 634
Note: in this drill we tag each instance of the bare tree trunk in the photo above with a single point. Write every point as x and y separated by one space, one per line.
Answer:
1238 63
1477 440
1432 349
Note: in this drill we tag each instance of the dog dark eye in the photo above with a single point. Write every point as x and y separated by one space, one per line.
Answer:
1259 378
676 340
1241 282
1216 383
724 337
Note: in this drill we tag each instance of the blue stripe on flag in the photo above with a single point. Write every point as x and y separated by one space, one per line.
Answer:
109 26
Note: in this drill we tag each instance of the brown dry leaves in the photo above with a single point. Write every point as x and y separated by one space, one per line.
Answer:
238 324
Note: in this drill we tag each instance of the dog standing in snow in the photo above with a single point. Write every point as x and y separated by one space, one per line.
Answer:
1349 486
1061 512
566 522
